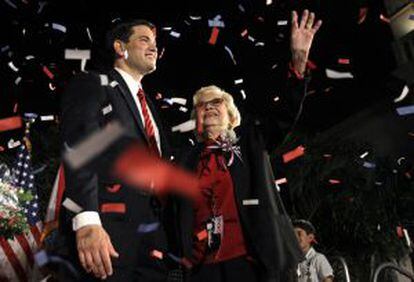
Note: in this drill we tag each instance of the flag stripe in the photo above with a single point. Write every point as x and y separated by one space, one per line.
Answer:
26 248
36 234
7 272
61 188
11 256
21 255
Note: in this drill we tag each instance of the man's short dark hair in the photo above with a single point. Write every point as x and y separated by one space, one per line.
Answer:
122 31
305 225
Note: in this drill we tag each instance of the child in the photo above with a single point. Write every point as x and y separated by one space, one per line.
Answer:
315 267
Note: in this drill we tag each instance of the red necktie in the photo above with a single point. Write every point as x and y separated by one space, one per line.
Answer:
149 127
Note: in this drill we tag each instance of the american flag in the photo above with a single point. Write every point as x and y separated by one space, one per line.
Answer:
17 255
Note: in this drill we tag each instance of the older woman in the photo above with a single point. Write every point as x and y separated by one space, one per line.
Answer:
233 231
238 230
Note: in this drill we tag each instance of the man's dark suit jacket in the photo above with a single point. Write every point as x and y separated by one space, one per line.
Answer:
89 102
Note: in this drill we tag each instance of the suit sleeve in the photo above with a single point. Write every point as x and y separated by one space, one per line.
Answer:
81 111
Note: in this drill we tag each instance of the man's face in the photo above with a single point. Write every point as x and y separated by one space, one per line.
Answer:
212 112
305 240
142 50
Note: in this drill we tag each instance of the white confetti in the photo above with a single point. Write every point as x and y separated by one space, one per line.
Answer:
338 75
13 67
243 94
407 238
251 202
183 109
113 83
104 79
404 94
10 4
179 100
107 110
175 34
17 81
95 144
89 34
238 81
185 126
42 4
13 144
195 18
70 205
282 23
5 48
47 118
230 54
77 54
59 27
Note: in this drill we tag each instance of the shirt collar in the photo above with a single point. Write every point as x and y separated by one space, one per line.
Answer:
310 253
132 84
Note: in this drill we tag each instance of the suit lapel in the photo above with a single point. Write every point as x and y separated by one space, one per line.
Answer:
240 176
124 90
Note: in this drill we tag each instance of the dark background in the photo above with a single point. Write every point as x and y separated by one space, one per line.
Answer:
335 111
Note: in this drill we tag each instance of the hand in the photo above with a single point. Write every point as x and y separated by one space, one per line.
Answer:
301 38
95 250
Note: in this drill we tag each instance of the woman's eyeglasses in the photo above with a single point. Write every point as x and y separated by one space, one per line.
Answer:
214 102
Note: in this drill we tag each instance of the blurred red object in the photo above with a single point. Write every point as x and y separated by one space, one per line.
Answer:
138 167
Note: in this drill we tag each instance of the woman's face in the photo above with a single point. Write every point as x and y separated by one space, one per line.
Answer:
212 113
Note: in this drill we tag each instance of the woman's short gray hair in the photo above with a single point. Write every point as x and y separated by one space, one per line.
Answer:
234 114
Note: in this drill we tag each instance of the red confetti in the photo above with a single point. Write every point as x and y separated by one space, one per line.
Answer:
10 123
295 153
202 235
311 65
158 96
334 181
187 263
213 37
343 61
281 181
363 11
244 33
48 72
400 232
114 188
140 168
113 207
15 108
384 19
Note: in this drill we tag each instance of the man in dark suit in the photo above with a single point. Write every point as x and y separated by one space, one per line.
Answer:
100 217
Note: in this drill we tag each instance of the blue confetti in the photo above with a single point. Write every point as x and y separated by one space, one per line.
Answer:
407 110
148 227
369 165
